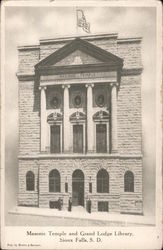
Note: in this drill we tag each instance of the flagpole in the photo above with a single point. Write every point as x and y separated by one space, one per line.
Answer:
76 13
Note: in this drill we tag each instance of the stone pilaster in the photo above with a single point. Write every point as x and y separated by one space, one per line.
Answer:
114 142
90 134
66 122
43 118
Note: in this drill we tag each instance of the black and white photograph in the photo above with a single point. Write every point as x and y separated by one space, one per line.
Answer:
81 125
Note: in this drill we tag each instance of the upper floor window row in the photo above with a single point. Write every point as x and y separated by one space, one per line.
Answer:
78 128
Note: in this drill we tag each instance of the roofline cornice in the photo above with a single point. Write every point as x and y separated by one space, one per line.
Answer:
129 40
85 37
29 47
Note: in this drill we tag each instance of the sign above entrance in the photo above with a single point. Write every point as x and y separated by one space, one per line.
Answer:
93 77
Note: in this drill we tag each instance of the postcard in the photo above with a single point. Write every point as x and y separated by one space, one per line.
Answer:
81 131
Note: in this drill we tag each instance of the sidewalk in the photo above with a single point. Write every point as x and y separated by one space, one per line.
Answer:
80 213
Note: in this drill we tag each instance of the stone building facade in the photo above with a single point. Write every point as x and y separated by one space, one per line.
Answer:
80 131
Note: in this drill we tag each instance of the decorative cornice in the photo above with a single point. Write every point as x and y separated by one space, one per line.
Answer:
25 76
129 40
29 47
131 71
100 116
50 70
53 117
84 37
84 68
77 116
80 156
74 81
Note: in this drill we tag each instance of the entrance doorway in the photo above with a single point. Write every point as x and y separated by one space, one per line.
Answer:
78 188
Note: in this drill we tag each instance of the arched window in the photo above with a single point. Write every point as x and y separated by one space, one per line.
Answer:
102 181
54 181
30 181
129 182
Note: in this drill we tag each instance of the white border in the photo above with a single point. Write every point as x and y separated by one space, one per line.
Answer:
145 238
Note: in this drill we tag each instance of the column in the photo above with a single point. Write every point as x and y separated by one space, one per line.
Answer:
90 134
114 141
43 118
66 122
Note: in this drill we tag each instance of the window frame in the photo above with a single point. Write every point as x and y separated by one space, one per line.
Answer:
129 187
100 187
51 122
103 122
80 122
60 128
74 146
105 204
52 180
31 179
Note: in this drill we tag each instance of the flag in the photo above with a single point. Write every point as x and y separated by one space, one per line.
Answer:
81 21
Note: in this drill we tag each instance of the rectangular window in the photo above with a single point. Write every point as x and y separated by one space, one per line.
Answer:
53 204
101 138
103 206
78 138
55 146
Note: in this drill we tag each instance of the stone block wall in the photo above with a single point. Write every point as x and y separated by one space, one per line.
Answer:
119 201
28 198
49 48
29 118
109 44
129 115
131 202
130 51
27 59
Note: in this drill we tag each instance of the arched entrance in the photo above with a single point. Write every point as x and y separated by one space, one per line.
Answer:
78 188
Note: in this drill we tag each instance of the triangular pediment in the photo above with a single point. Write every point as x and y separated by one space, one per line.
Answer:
77 57
79 52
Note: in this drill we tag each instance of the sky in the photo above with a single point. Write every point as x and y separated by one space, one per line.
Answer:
26 25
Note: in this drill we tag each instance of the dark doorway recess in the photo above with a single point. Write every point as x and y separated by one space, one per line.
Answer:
78 188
